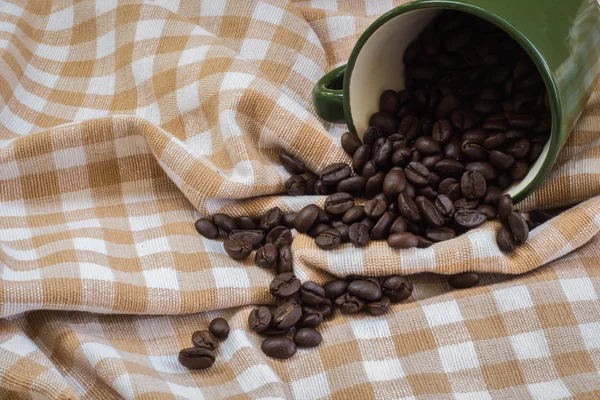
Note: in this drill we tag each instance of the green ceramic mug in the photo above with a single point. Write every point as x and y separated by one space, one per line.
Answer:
561 36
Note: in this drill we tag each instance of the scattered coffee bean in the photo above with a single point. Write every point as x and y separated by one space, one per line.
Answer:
334 173
219 327
207 228
379 307
291 165
306 217
271 219
287 315
366 290
339 203
349 304
307 337
359 234
464 280
260 319
204 339
335 289
278 347
237 250
279 236
197 358
396 288
350 143
402 240
329 239
285 260
225 222
246 224
285 285
267 256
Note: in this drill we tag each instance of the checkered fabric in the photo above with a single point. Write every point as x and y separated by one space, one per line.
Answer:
121 122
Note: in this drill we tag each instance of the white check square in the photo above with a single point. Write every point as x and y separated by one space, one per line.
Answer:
70 157
550 390
591 335
370 328
443 313
161 278
458 357
383 370
579 289
312 387
513 298
268 13
231 277
530 345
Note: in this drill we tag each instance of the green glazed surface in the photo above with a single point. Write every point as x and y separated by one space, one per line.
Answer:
561 36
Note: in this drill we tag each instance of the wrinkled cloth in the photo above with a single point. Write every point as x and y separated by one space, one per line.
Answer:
122 122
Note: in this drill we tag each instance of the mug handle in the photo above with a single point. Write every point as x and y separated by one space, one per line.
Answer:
328 96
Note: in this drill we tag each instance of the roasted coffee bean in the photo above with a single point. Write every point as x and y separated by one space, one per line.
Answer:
247 224
350 143
394 183
440 234
448 104
280 236
389 101
349 304
399 225
476 136
267 256
540 217
307 337
452 150
535 151
408 208
496 122
492 195
401 156
450 21
219 327
382 152
428 192
522 121
285 285
354 184
287 315
271 219
369 170
445 206
485 107
449 168
382 227
518 227
204 339
260 319
451 188
359 234
519 170
430 214
423 243
417 173
430 161
423 72
291 165
473 151
324 309
410 189
489 211
384 121
469 218
311 293
427 145
457 39
338 203
329 239
284 262
310 320
464 280
410 127
323 217
375 208
495 141
317 229
369 223
396 288
402 240
366 290
344 231
416 228
371 135
466 204
473 185
360 158
464 120
252 237
484 168
272 331
306 218
442 131
501 160
237 250
334 173
278 347
335 289
353 215
379 307
300 185
374 184
519 149
505 239
197 358
207 228
225 222
398 140
544 124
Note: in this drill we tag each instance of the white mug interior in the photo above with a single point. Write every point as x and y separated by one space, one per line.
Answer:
379 66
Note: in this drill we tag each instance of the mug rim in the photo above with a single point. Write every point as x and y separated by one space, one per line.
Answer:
554 144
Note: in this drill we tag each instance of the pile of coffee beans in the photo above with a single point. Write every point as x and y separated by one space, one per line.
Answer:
203 354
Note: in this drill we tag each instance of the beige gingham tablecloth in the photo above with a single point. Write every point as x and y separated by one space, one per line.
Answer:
121 122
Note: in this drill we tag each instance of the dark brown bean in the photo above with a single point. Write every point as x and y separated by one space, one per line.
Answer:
384 121
366 290
518 227
440 234
284 263
484 168
317 229
389 101
399 225
285 285
505 239
236 249
379 307
267 256
401 157
463 280
452 150
354 184
464 120
271 219
349 304
329 239
369 170
374 184
339 203
354 214
501 160
449 168
382 152
427 145
196 358
382 227
279 236
247 224
469 218
334 173
396 288
291 165
445 206
430 214
260 319
495 141
219 327
402 240
448 104
306 218
430 161
300 185
492 195
473 185
442 131
204 339
307 337
519 149
408 208
350 143
207 228
287 315
335 289
359 234
278 347
417 173
519 170
489 211
360 158
225 222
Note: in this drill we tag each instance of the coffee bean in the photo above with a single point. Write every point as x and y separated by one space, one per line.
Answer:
445 206
219 327
288 219
368 222
344 231
247 223
410 190
369 170
399 225
464 280
339 203
473 150
260 319
477 136
334 173
382 152
382 227
197 358
317 229
408 208
359 234
278 347
285 260
306 218
430 161
451 188
442 131
354 184
505 239
236 249
518 227
285 285
310 320
300 185
484 168
280 236
225 222
492 195
375 208
469 218
335 289
429 212
501 160
389 101
207 228
466 204
410 127
307 337
489 211
519 149
311 293
360 158
401 156
286 315
544 124
267 256
379 307
271 219
495 141
402 240
450 21
349 304
396 288
453 151
350 143
473 185
505 207
448 104
291 165
329 239
272 331
449 168
252 237
394 183
384 121
427 145
522 121
354 214
374 184
464 120
364 289
440 234
423 72
417 173
519 170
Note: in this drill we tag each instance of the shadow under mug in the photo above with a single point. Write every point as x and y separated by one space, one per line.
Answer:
562 37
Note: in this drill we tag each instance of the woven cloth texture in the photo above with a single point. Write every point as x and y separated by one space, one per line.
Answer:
121 122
